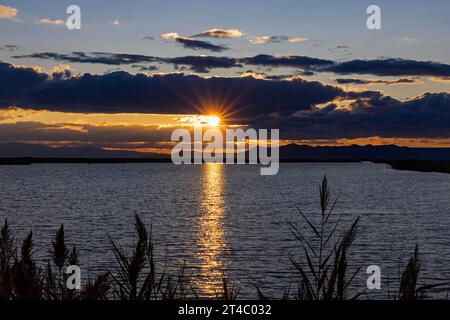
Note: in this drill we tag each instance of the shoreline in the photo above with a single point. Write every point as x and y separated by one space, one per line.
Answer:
30 160
440 166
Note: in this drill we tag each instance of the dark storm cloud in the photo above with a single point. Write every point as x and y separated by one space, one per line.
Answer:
378 67
191 43
93 57
377 81
197 63
200 64
203 64
390 67
172 93
200 45
15 80
285 61
426 116
221 62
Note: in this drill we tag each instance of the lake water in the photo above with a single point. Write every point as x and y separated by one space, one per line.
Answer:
229 218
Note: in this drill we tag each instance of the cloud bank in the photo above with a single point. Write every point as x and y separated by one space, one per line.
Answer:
303 109
377 81
171 94
427 116
379 67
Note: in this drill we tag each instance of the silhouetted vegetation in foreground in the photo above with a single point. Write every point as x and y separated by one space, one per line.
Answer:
322 269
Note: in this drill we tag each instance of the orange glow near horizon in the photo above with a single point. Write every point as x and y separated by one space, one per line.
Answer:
375 141
75 126
17 115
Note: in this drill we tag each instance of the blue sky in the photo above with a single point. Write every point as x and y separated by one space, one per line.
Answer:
326 23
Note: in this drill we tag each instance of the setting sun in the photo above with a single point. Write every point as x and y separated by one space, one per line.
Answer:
213 121
201 121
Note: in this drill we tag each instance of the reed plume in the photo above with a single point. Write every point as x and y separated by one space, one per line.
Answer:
323 276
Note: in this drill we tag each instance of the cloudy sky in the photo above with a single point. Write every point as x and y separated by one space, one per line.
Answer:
138 69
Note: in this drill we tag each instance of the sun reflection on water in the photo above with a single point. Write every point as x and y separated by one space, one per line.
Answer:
211 239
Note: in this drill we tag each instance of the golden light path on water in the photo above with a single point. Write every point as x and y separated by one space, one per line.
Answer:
211 239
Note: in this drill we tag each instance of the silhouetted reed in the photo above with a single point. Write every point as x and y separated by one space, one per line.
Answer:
324 274
229 290
7 254
136 277
409 288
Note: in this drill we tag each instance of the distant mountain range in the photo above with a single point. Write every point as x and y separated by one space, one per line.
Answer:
290 152
354 152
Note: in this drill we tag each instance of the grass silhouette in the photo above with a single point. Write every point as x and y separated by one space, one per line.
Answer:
325 274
